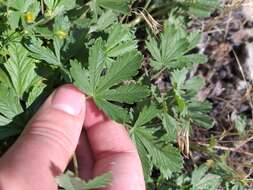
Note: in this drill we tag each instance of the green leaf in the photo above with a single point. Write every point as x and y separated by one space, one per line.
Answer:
20 5
21 68
126 94
13 19
120 41
116 5
35 92
194 85
104 21
67 4
96 64
42 53
240 124
153 48
146 115
50 3
113 111
68 181
170 125
182 105
196 106
122 48
125 67
203 8
58 7
145 159
202 120
170 51
4 78
61 27
81 77
98 86
203 180
194 39
165 157
9 105
99 182
178 78
192 59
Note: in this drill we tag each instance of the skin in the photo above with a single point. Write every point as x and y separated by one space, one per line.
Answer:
68 123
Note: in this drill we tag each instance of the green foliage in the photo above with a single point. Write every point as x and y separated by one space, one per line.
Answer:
20 68
240 124
99 86
163 156
171 50
202 8
95 45
117 5
68 181
203 180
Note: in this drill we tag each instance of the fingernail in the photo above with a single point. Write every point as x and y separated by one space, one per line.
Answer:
69 99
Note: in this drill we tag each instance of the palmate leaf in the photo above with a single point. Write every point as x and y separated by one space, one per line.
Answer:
165 157
102 86
113 111
170 125
81 77
42 53
146 115
240 124
21 68
116 5
202 119
201 179
104 21
120 41
185 92
56 7
203 8
172 48
125 94
68 181
126 67
145 158
96 64
9 105
19 8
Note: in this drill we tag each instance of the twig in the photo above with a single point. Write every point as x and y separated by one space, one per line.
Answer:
230 149
158 74
42 6
244 78
244 142
75 165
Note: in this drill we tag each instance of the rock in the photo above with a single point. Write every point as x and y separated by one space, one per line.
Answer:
248 9
249 60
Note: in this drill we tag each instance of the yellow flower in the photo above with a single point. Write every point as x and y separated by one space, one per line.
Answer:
61 34
29 17
209 163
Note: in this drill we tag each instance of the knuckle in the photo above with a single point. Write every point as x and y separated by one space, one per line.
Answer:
51 132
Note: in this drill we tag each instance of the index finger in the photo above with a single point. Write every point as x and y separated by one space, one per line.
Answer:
113 151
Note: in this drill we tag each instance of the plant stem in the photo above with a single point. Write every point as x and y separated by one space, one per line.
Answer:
42 6
75 164
165 7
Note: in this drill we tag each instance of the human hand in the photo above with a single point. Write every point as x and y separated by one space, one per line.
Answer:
67 122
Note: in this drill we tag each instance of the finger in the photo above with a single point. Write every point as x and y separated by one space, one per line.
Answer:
113 151
48 142
85 158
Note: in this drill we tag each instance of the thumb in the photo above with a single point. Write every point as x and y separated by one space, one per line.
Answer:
48 142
